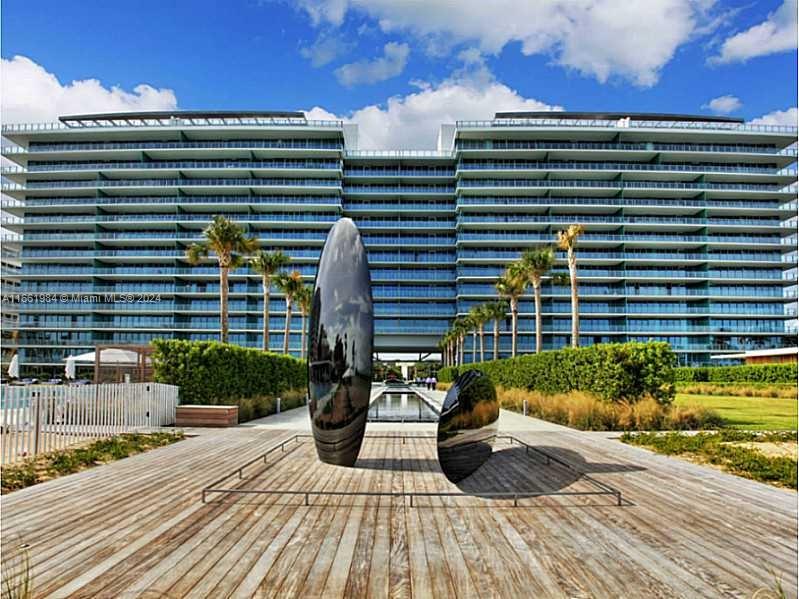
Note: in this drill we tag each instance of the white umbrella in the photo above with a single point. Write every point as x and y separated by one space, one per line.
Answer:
13 368
69 370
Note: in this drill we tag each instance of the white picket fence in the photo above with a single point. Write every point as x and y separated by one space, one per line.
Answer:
41 418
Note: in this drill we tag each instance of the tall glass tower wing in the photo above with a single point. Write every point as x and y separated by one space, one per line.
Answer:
688 231
111 202
687 237
404 205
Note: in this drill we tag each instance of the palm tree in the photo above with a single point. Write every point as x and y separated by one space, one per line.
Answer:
267 264
511 287
496 311
479 318
567 240
226 239
290 285
304 301
450 339
471 324
536 263
459 328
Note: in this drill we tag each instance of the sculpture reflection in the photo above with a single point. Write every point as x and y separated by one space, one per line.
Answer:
340 346
467 425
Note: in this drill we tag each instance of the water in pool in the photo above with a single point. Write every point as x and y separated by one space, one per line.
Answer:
400 407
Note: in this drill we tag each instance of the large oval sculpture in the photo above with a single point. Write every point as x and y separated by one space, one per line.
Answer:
467 425
340 346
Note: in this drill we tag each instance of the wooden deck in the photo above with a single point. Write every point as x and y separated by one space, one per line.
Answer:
137 527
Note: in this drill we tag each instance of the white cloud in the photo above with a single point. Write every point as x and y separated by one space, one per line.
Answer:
786 117
326 49
598 38
776 34
32 94
724 104
391 64
412 121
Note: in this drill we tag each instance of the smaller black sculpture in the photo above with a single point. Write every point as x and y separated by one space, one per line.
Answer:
467 425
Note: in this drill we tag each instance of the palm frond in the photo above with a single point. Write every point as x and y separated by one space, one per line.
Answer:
196 252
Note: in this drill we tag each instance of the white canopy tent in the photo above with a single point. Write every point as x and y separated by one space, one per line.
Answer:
108 356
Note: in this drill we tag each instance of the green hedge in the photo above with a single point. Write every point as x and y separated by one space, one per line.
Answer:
750 373
612 371
210 372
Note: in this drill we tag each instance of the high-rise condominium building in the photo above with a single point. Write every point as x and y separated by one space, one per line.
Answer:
689 225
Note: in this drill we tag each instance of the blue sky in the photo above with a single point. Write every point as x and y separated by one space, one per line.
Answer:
350 57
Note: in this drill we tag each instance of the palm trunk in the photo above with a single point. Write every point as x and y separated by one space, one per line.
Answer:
267 288
287 328
474 346
575 299
461 350
539 337
302 337
496 338
223 294
482 344
514 319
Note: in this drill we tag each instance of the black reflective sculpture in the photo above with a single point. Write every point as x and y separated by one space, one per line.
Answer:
467 425
340 346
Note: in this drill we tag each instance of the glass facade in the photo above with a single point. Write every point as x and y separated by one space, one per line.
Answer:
690 227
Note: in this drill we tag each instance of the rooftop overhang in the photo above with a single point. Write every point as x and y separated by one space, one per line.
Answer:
191 115
615 116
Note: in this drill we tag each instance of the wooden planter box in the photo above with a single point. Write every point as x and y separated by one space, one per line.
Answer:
207 416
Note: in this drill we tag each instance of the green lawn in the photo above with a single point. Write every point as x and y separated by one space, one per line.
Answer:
750 413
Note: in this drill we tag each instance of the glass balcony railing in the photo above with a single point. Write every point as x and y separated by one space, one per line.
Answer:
465 219
508 144
504 144
630 291
405 223
186 217
176 165
652 273
499 236
236 144
512 254
622 166
667 185
568 201
420 257
407 239
399 206
446 172
399 189
175 200
184 182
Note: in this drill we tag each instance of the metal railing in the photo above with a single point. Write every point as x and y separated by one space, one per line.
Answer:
599 488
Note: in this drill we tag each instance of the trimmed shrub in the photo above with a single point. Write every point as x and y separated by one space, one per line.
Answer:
611 371
748 373
210 372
